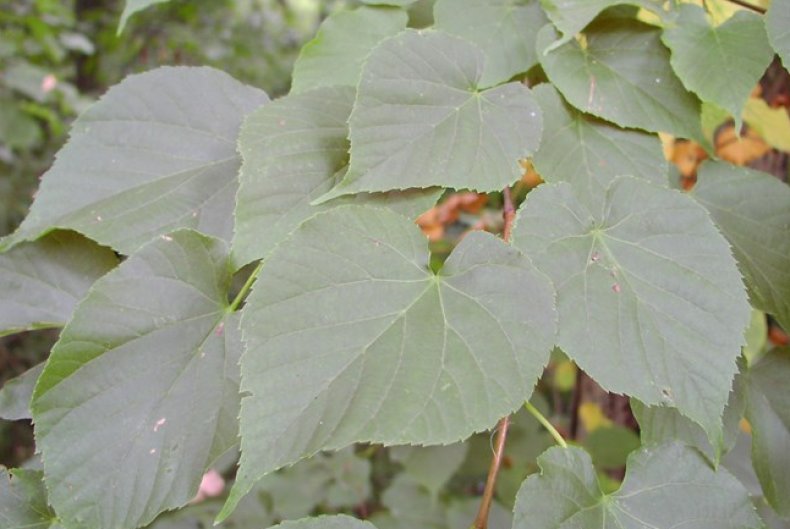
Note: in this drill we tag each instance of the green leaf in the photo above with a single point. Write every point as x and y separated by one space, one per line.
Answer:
15 395
41 282
624 76
504 29
767 397
397 3
572 16
658 425
23 501
156 153
344 40
133 6
650 301
590 153
350 337
756 337
334 480
751 210
609 446
664 487
777 24
430 466
721 64
411 505
293 148
140 394
337 521
420 119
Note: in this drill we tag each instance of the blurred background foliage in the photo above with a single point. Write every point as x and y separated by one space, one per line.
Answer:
58 56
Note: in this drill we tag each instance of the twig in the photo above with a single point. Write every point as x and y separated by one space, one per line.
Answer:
546 424
481 521
747 5
576 400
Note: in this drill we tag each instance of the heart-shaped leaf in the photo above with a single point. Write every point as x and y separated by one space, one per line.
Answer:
421 120
350 337
651 304
665 487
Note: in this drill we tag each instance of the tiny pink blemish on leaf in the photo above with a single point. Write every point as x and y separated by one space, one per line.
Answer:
616 288
152 451
595 257
48 83
161 422
220 329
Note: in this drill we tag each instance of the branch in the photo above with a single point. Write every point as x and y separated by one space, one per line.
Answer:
481 521
747 5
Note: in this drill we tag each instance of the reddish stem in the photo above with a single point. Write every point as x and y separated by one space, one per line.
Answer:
481 521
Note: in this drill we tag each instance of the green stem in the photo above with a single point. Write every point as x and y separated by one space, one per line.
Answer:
748 5
546 424
245 289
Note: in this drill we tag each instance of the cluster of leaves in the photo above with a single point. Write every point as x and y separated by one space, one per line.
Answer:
348 334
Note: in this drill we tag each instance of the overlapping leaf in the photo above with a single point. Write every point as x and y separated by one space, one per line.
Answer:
350 337
650 301
421 120
337 521
335 56
504 29
23 501
623 75
572 16
293 148
751 209
777 24
15 394
721 64
140 393
767 397
156 153
41 282
659 425
133 6
590 153
664 487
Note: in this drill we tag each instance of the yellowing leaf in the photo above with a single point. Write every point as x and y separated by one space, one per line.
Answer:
773 124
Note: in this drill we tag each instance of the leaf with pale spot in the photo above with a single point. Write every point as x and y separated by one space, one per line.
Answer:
350 337
147 367
622 75
650 300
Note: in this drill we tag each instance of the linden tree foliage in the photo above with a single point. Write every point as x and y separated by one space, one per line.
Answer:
240 284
